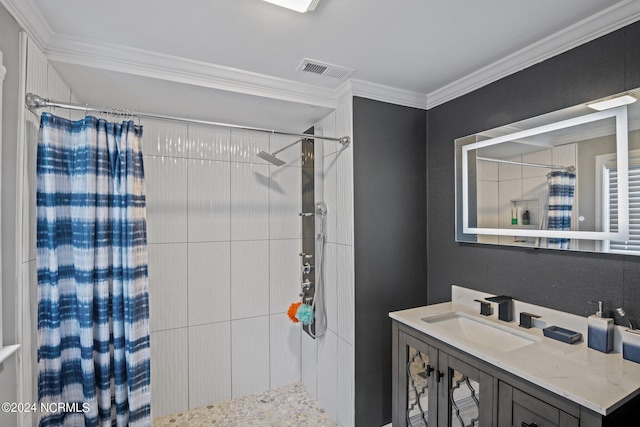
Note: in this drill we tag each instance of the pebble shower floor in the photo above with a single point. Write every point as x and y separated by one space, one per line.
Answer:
288 406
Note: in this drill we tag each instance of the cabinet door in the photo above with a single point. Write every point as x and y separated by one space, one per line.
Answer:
417 395
467 400
518 409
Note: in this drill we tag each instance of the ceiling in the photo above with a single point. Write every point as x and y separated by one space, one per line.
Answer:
235 60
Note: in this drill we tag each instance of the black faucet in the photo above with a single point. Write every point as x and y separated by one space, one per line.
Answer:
504 307
485 308
526 319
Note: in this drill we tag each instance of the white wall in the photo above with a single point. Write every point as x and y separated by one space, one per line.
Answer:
328 369
224 236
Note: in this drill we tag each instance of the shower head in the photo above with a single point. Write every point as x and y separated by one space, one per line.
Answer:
271 158
321 209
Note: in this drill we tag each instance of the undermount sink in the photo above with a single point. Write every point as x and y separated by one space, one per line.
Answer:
481 332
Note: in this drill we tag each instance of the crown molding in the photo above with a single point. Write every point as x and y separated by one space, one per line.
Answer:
31 20
382 93
608 20
146 63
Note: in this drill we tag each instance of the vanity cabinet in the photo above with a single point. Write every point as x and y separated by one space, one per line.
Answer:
437 385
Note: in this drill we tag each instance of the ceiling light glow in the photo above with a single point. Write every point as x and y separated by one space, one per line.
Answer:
301 6
612 103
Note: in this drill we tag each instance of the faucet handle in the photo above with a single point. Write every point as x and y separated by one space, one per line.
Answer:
526 319
485 307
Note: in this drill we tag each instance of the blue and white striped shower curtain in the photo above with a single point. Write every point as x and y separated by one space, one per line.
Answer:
561 190
93 305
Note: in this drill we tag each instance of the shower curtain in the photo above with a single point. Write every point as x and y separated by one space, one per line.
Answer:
93 305
561 190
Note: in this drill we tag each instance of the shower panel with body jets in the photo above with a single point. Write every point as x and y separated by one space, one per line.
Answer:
312 299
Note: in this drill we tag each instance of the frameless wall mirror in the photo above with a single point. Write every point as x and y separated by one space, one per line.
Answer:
567 180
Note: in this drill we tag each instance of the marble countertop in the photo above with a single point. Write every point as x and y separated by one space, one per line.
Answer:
601 382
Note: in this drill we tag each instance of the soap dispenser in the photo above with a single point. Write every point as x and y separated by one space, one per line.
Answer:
600 330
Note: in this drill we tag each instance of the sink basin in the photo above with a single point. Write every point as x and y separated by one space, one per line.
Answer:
481 332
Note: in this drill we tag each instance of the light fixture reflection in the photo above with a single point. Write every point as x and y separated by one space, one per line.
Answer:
612 103
301 6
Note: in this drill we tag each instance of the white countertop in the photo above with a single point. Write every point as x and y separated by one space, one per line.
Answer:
601 382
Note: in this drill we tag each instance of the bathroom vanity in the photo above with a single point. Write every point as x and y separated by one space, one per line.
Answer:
454 367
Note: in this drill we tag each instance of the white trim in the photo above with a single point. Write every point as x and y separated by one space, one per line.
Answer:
119 58
620 115
385 93
608 20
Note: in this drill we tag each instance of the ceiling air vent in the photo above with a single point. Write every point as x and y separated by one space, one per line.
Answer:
324 69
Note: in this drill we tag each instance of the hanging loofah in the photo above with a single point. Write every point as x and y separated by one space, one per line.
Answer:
293 310
305 314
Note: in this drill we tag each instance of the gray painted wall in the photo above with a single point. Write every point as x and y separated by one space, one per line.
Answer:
9 38
390 241
560 280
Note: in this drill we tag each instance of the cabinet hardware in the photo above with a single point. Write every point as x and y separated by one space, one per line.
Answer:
523 424
439 375
429 370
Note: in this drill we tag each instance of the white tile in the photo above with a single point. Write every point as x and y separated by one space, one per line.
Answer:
37 69
245 145
208 142
249 201
330 188
167 286
209 364
250 355
565 155
328 373
284 343
284 272
346 378
536 191
345 293
487 171
209 298
249 279
58 90
32 126
169 372
488 204
285 202
330 283
508 171
292 155
343 209
309 364
542 157
164 138
209 200
166 187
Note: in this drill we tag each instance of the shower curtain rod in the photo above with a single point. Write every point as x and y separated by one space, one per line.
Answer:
535 165
34 101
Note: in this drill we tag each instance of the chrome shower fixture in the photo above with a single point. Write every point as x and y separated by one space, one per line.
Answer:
321 209
271 158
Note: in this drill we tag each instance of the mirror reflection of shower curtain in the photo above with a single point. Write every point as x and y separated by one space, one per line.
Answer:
561 191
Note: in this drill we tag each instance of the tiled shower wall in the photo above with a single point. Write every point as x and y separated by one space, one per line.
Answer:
224 237
328 363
